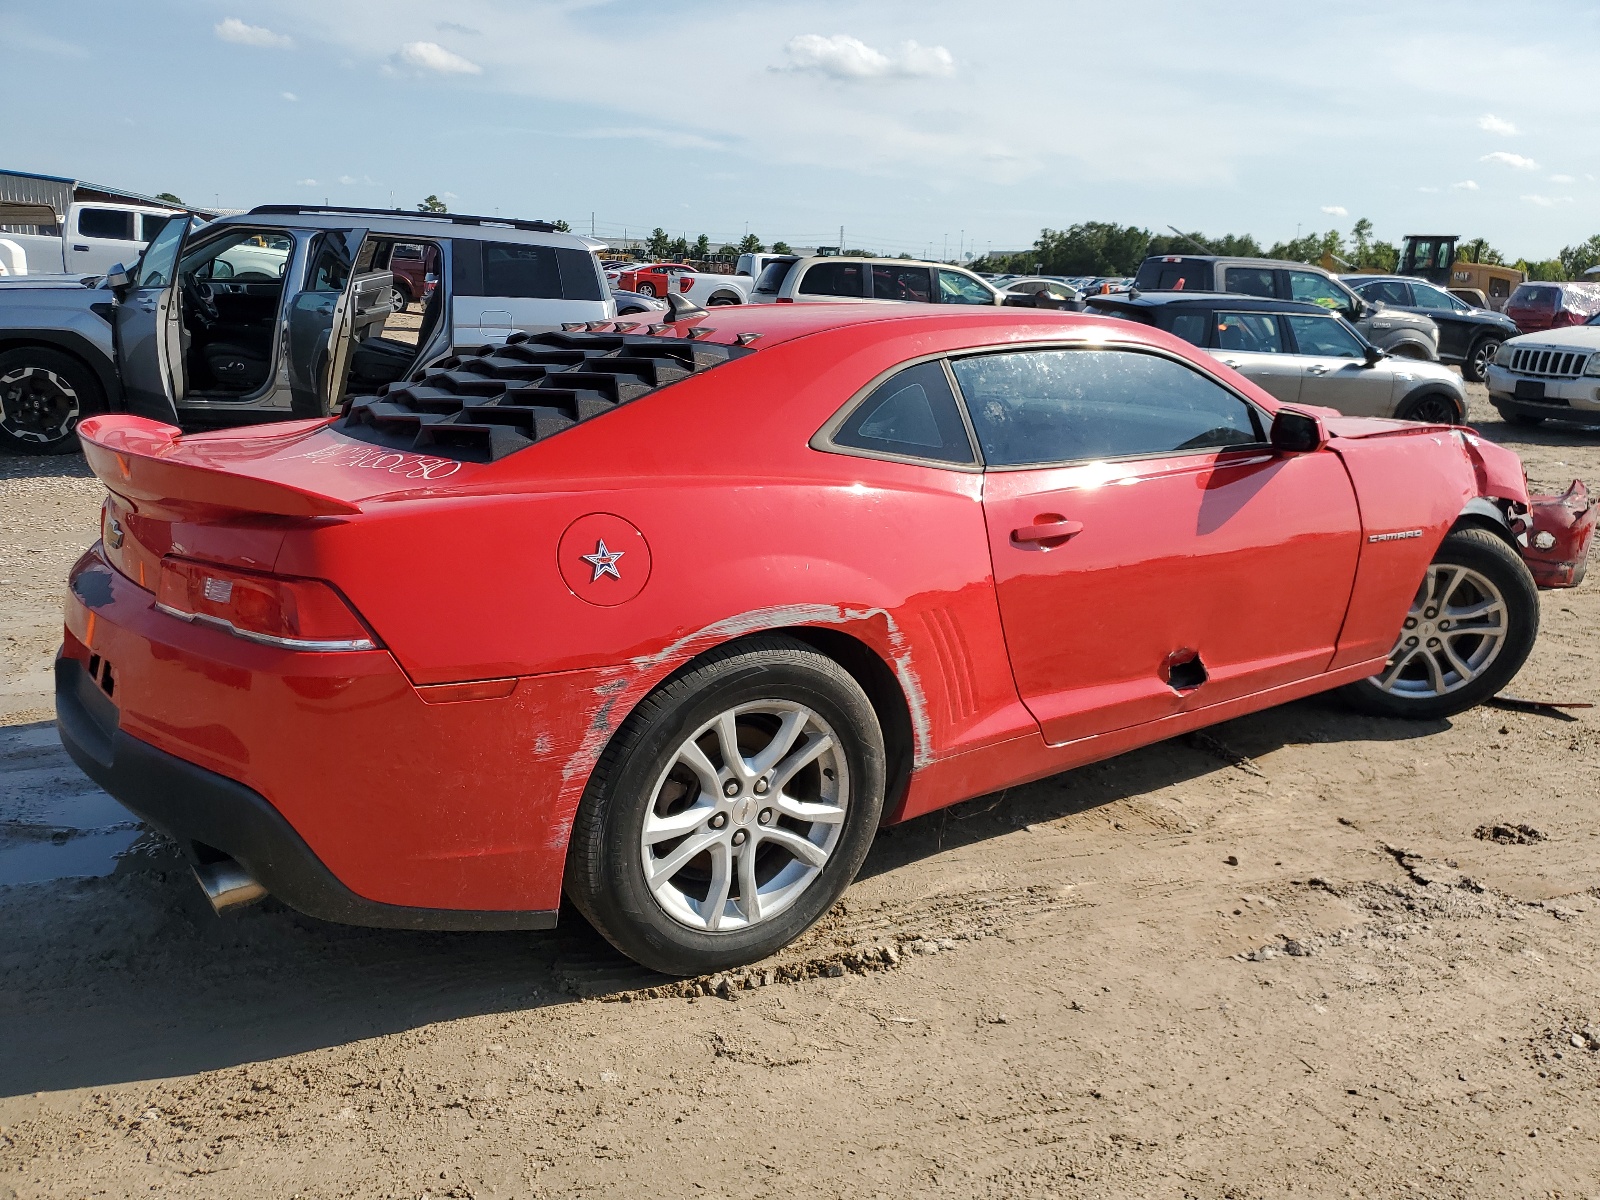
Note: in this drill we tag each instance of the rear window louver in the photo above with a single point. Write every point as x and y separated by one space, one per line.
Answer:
502 399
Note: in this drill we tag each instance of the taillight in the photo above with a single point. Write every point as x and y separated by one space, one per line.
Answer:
784 300
297 614
685 282
1565 317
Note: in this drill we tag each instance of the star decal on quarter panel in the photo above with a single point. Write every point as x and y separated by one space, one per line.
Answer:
603 561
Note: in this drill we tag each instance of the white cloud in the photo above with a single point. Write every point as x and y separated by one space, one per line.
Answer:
1336 210
1493 124
845 57
451 196
1511 160
430 56
1466 185
1562 179
235 30
305 183
290 97
1430 191
347 180
1548 201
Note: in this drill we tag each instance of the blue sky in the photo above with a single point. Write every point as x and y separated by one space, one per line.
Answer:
913 125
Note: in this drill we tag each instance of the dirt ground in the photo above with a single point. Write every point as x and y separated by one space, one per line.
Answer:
1306 953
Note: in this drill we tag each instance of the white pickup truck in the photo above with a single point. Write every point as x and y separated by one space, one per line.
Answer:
89 239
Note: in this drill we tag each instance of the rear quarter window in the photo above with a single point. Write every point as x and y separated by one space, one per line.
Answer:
1250 281
912 414
1190 326
525 271
834 279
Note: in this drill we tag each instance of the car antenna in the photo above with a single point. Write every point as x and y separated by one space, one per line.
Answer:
1191 238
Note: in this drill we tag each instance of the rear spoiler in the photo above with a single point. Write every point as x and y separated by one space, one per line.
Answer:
142 459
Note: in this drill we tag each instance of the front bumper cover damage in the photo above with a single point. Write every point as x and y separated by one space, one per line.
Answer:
1556 536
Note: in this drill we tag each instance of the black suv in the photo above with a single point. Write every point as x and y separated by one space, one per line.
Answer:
1469 337
1400 333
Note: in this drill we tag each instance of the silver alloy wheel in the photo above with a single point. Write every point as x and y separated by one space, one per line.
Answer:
745 816
1454 631
37 405
1483 356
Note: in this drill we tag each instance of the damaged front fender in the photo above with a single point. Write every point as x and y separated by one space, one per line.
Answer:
1557 535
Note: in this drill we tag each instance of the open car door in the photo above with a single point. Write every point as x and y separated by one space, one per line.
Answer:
148 327
339 303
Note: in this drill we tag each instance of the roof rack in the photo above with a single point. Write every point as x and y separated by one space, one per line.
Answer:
454 218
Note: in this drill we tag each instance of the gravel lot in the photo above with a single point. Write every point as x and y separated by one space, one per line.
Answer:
1306 953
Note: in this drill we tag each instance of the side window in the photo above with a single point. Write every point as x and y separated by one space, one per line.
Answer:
1389 291
1252 333
1435 300
1325 336
155 268
330 262
1052 406
1191 327
105 223
1249 281
956 288
1318 289
912 413
892 282
529 272
834 279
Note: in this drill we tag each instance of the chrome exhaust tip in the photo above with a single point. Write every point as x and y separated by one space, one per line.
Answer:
228 885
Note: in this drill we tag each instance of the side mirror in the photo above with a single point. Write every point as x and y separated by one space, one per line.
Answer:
1374 356
117 278
1296 432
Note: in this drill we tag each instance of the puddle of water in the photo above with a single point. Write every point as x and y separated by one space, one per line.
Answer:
55 823
42 861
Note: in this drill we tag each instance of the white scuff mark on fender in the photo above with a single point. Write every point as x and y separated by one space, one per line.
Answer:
821 614
614 686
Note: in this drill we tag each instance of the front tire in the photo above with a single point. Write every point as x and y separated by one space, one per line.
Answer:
647 289
730 810
1432 408
43 395
1471 627
1482 354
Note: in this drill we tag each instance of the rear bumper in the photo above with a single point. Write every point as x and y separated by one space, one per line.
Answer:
205 812
1560 536
347 791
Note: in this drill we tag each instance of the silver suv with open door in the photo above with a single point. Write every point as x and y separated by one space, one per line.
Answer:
274 314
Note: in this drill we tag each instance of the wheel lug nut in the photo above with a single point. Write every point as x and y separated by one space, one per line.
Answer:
1411 622
1431 613
1411 641
718 820
1433 643
730 788
761 787
1444 624
764 816
739 837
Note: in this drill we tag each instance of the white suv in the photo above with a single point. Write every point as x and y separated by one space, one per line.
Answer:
836 279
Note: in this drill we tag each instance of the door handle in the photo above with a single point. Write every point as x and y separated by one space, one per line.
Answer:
1316 369
1052 530
1231 362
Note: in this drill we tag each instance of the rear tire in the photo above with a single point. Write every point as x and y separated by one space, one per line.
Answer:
44 393
722 300
1470 628
1412 350
647 289
774 855
1432 408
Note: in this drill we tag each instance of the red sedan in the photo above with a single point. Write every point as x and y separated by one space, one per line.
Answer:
673 617
656 279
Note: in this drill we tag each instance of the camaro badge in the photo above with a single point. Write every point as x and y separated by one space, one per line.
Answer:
1376 537
604 561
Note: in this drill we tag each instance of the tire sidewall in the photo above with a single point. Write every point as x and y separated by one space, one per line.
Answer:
1413 403
76 373
1469 370
1489 555
624 905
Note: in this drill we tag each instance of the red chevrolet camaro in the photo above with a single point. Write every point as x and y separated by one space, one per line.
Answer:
673 617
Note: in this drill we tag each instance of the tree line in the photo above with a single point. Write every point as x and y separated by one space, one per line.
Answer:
1106 248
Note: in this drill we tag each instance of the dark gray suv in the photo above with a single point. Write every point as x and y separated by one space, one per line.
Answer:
274 314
